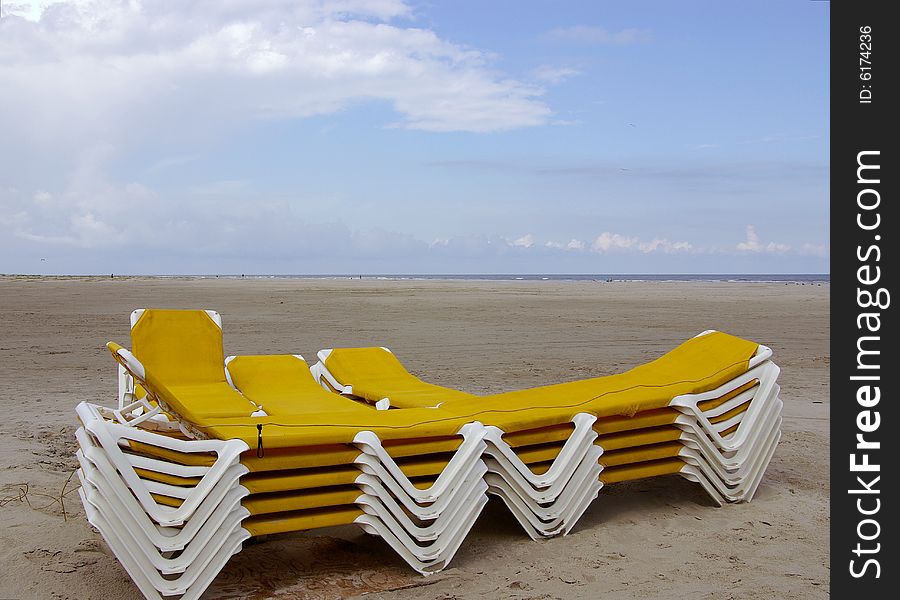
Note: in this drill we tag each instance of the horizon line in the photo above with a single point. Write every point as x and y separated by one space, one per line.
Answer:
398 274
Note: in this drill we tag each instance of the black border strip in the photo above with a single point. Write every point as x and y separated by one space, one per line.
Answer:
863 47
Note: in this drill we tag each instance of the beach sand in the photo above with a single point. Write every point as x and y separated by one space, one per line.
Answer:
660 538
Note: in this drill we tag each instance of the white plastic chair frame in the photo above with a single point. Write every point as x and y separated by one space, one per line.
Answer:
435 551
532 523
768 408
744 490
109 435
588 470
375 486
556 489
165 539
194 557
573 451
559 516
694 436
750 451
406 548
386 508
468 453
744 494
149 585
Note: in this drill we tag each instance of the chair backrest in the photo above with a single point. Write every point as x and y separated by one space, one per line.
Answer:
179 346
196 402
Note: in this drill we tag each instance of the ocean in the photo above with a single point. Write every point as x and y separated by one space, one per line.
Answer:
705 277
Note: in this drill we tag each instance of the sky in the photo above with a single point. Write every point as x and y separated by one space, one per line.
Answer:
391 136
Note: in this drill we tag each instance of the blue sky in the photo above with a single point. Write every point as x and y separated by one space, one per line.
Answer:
380 136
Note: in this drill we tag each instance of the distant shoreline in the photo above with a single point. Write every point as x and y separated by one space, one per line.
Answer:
606 278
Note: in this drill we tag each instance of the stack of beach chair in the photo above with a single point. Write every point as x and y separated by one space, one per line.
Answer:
421 495
203 452
722 439
546 476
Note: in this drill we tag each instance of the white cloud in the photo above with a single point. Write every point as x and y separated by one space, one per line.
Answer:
553 74
27 9
753 243
608 241
820 250
92 212
42 198
526 241
592 35
566 122
651 246
777 247
89 83
115 70
573 245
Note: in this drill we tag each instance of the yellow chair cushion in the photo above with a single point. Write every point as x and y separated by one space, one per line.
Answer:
642 470
698 365
375 373
280 502
283 385
301 520
640 454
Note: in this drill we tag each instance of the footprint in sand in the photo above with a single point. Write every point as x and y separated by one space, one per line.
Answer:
58 561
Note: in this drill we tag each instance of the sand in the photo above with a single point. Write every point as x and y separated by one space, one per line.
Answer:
660 538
